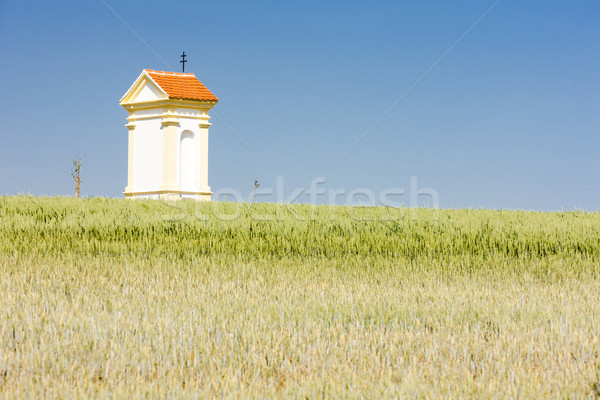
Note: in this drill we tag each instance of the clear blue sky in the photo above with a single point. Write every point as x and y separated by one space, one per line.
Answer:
510 118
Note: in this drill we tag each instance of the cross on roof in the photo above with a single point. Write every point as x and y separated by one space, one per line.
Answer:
183 61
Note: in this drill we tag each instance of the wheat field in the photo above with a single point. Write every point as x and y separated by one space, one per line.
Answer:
110 298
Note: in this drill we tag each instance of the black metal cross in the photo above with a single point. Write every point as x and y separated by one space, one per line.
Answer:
183 61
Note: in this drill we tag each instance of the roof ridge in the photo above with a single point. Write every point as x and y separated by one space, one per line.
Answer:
169 72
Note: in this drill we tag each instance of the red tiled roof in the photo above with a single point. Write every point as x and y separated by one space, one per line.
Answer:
181 86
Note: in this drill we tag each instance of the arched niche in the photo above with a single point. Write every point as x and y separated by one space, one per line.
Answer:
188 162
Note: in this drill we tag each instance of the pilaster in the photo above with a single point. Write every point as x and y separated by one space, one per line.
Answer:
169 175
203 157
130 156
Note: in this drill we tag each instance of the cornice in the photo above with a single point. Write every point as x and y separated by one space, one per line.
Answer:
178 103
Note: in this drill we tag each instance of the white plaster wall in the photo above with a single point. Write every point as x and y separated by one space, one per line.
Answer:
148 156
149 93
148 153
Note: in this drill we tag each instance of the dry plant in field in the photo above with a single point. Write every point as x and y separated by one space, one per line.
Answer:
75 173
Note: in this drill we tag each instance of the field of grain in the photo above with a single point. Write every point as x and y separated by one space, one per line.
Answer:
114 298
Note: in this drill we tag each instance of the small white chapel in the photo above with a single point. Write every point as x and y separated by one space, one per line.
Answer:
168 136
